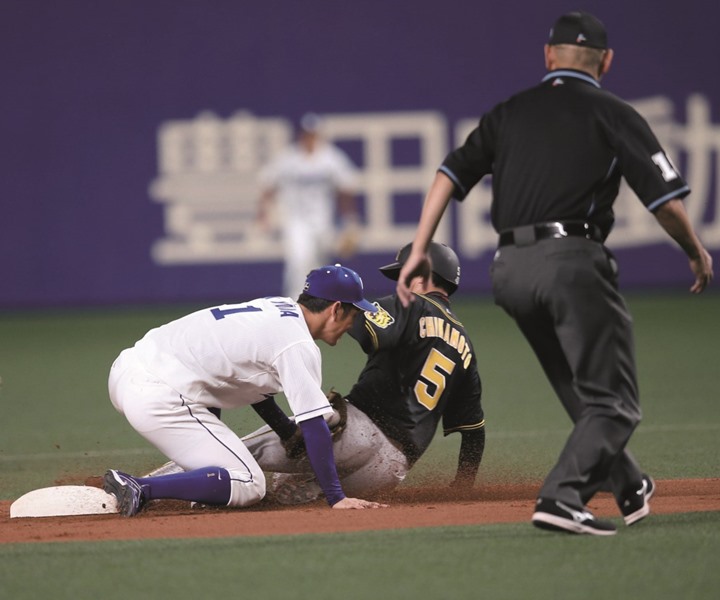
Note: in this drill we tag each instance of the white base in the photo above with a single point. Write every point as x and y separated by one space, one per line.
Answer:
64 500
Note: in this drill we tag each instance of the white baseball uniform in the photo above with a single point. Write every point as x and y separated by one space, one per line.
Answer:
306 185
227 356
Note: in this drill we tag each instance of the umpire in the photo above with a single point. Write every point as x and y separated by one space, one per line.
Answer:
557 152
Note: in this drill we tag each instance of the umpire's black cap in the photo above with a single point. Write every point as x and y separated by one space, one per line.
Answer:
445 264
579 29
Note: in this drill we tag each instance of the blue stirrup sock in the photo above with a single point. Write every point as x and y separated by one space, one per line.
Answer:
210 485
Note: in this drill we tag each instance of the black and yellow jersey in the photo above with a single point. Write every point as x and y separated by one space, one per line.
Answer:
421 368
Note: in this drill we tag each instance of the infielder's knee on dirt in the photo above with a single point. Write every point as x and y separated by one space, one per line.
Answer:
246 490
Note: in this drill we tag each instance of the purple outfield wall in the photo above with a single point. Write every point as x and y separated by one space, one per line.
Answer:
131 131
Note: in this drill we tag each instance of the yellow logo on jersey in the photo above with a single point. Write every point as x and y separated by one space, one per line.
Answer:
382 318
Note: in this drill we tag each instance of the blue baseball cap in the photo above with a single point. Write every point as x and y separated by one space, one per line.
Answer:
339 284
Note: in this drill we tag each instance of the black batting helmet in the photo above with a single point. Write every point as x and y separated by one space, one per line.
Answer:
445 264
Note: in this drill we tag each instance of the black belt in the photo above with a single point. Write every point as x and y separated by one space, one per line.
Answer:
529 234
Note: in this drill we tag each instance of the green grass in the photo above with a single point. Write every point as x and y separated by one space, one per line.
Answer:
675 557
57 424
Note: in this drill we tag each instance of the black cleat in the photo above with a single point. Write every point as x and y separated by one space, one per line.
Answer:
635 506
558 516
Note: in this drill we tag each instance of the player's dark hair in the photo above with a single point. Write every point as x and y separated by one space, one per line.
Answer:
443 284
317 305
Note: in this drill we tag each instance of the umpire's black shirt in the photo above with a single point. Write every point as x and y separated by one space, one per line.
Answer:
557 152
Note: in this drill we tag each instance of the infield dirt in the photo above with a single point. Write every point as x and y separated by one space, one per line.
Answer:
409 507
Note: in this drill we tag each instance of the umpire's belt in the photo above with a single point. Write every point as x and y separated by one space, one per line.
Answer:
529 234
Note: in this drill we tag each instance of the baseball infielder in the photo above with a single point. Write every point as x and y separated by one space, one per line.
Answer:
421 369
229 356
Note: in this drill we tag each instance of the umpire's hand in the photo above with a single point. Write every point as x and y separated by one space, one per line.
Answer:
417 265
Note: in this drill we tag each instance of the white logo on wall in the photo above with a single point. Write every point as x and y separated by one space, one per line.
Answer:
208 181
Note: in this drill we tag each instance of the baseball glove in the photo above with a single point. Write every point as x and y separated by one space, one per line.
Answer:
348 241
338 421
295 444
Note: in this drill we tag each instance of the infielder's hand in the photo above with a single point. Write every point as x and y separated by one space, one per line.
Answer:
351 503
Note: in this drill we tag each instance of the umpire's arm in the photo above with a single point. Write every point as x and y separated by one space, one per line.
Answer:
674 220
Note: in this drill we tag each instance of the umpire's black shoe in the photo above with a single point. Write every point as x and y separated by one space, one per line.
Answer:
635 505
558 516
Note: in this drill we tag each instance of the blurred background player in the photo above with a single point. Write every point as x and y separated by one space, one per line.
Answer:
421 369
170 384
312 182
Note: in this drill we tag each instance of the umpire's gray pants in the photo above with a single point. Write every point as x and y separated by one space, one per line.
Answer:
563 295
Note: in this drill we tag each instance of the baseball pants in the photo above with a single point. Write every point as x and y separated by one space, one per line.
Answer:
367 461
186 432
563 296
